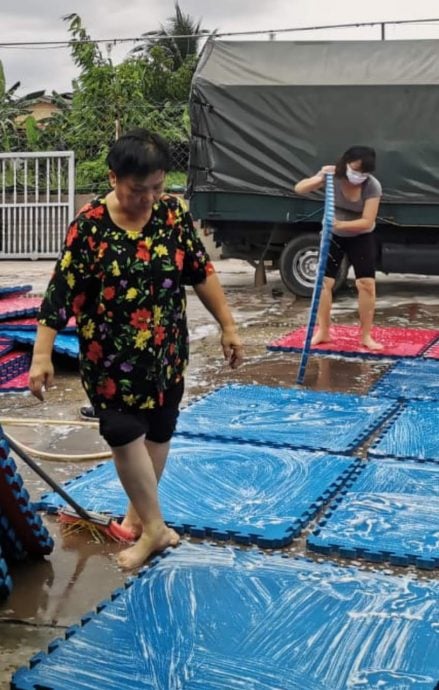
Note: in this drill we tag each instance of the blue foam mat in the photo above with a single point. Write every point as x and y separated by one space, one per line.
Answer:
225 490
10 543
205 618
390 512
28 528
5 578
412 433
65 343
335 422
410 380
15 290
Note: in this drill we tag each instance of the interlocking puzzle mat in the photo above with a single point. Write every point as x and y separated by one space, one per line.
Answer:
336 422
410 379
11 545
16 506
5 578
14 290
411 433
65 343
18 384
389 512
224 490
433 351
13 364
205 618
30 324
6 345
398 342
12 307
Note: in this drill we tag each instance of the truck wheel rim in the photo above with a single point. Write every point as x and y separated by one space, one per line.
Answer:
304 267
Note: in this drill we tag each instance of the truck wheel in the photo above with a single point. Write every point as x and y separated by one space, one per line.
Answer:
298 265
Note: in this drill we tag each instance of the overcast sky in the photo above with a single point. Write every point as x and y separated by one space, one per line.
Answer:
52 68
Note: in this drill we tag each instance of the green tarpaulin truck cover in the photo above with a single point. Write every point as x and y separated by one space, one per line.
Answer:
267 113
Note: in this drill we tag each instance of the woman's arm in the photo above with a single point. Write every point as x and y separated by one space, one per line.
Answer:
312 184
367 220
211 295
41 371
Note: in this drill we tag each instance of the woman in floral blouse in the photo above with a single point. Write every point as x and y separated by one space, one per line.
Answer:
122 272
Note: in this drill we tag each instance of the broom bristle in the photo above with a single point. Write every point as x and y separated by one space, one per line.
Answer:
114 531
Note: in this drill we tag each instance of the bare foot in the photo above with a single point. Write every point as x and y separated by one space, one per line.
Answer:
132 521
134 526
156 538
320 337
372 344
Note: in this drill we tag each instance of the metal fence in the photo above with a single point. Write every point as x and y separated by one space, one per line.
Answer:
89 132
36 203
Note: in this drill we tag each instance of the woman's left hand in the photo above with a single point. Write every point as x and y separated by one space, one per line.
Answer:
232 347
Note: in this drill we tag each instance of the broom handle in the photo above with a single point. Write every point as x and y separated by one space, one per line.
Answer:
47 478
323 259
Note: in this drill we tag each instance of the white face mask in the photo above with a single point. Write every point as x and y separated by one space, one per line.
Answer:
354 176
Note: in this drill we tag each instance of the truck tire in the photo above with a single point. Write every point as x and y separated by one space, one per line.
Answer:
298 265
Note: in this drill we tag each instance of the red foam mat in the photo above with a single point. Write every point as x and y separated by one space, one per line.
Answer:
12 366
12 307
29 323
18 384
6 345
433 351
398 342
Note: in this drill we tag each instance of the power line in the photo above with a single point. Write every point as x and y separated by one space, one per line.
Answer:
160 37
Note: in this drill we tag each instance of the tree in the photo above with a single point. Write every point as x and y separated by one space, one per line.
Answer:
108 99
14 112
179 38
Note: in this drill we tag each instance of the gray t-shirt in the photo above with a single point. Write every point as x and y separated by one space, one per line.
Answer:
352 210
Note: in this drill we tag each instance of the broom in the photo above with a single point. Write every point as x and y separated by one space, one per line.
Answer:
76 516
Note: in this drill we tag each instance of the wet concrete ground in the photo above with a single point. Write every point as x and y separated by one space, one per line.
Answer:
51 594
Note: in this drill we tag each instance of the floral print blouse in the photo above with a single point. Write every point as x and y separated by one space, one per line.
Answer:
126 290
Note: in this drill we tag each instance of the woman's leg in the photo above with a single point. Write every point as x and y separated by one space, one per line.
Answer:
366 308
158 452
361 253
322 334
138 477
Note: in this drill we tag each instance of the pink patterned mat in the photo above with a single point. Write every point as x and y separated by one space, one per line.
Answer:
398 342
19 384
13 364
29 323
432 352
12 307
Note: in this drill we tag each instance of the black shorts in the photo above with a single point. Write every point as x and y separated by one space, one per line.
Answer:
361 253
119 427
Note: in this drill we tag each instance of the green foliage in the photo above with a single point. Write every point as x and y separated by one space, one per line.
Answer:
12 111
150 88
178 38
92 176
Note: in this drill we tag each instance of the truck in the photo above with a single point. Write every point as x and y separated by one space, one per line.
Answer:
265 114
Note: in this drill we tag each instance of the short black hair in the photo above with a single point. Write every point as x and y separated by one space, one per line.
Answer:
365 154
139 152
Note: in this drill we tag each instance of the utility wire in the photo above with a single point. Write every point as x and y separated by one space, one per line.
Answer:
160 37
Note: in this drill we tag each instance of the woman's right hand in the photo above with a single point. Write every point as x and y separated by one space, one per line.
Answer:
327 170
41 375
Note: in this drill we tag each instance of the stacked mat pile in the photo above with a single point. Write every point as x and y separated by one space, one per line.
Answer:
22 532
18 327
255 465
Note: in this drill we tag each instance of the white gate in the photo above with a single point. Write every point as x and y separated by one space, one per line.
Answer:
36 203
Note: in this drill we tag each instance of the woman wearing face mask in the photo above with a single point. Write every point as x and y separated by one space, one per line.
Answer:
357 197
